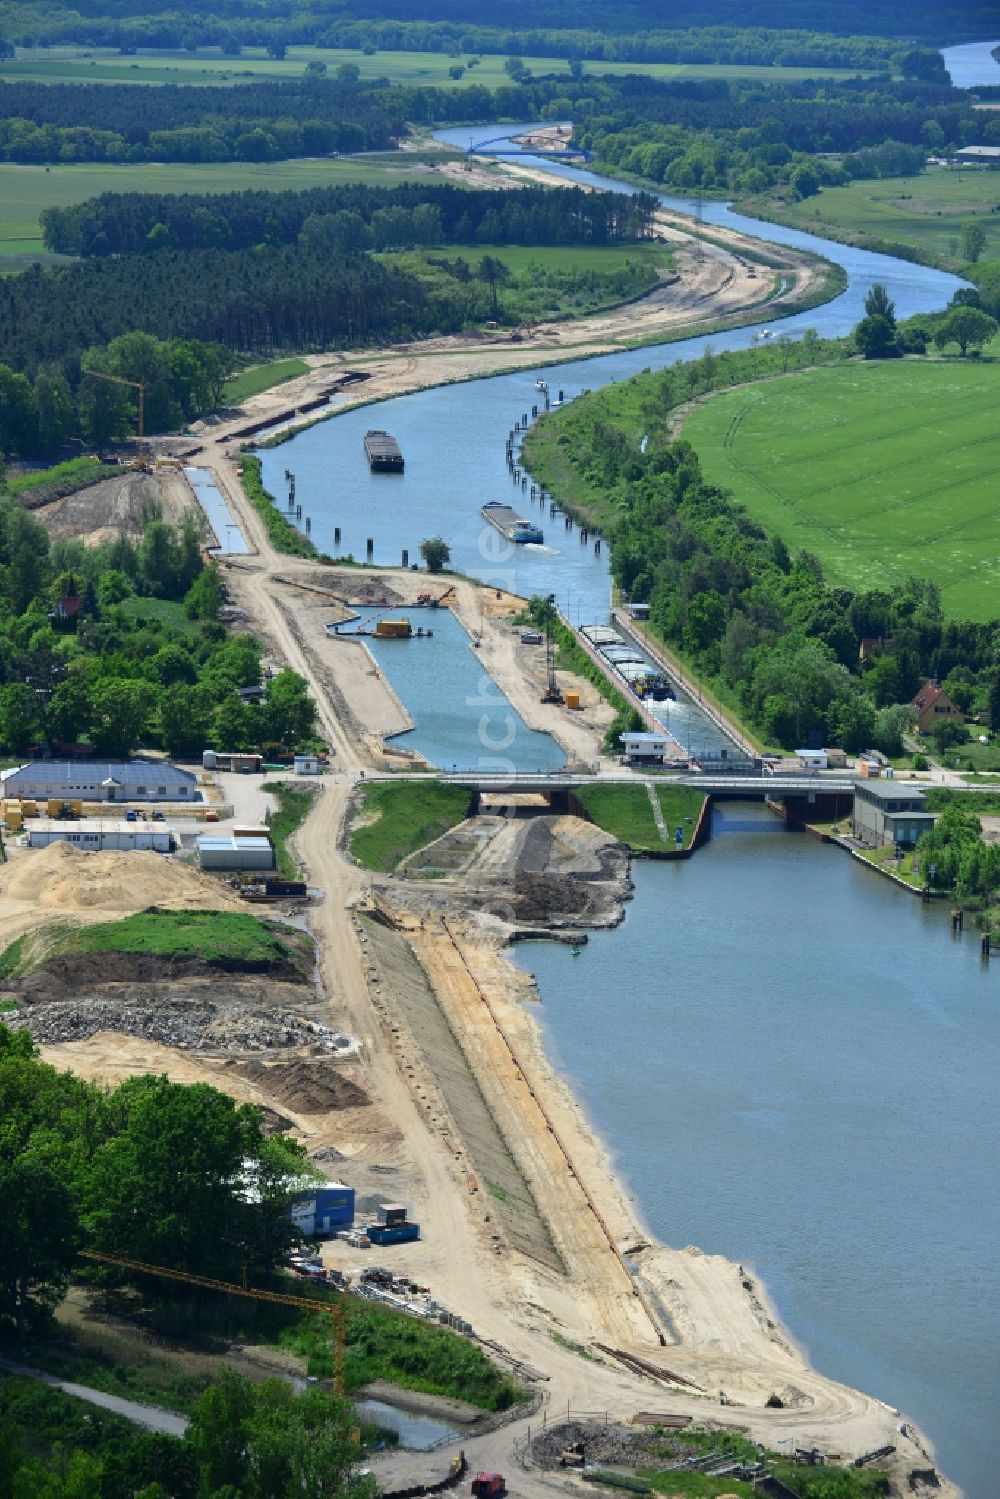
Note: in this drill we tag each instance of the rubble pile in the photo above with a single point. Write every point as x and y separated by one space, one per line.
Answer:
188 1024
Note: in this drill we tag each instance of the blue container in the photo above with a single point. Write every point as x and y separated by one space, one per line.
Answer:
396 1233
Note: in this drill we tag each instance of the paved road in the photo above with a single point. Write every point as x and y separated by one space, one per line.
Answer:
150 1416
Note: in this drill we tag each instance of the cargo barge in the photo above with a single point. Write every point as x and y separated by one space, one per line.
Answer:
510 524
628 663
383 453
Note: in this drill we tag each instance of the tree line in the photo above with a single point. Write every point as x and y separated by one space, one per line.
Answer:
260 121
744 136
75 1160
381 218
81 397
125 671
435 25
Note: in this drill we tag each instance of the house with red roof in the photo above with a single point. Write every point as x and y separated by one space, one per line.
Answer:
932 706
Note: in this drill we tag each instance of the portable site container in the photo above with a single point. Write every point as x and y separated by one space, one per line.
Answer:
572 700
96 834
217 851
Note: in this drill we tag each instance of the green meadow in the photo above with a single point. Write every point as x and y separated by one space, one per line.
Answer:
93 65
884 471
926 211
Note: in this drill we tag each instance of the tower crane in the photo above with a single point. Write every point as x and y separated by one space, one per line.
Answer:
334 1309
141 386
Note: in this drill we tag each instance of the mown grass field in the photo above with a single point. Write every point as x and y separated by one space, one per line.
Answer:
25 191
927 211
94 65
885 471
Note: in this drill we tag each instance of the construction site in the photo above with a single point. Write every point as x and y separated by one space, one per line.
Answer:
404 1049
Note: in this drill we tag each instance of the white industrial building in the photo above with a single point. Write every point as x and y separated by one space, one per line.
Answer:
645 748
95 834
233 851
100 781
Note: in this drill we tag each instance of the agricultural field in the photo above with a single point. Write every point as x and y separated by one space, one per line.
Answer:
927 211
26 190
884 471
94 65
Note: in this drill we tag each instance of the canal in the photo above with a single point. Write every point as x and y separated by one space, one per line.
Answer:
800 1074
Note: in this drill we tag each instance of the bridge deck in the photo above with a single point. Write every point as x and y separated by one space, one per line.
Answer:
745 786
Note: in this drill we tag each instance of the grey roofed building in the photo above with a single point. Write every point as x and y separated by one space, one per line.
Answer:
889 812
100 781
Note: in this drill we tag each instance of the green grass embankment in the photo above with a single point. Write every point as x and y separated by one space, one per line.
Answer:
212 936
262 377
283 535
396 820
644 404
292 811
625 812
74 474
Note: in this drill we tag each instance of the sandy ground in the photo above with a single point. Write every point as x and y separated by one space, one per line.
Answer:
717 1328
103 511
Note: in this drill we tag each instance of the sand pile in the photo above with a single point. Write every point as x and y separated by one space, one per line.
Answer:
64 878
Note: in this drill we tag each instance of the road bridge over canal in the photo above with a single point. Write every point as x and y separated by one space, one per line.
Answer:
553 783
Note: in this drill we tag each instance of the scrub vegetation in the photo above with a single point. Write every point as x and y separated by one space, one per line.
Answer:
292 810
412 1353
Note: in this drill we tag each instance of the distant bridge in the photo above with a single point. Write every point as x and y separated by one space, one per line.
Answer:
569 154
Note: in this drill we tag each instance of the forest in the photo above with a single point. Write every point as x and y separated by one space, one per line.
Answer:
259 121
356 217
143 661
435 25
184 378
270 120
309 285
